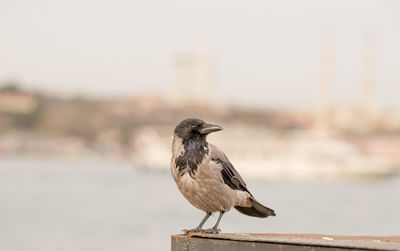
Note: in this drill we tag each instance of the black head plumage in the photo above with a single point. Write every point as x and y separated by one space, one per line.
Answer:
194 129
188 129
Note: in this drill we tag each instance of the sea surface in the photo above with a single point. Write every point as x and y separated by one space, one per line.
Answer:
95 204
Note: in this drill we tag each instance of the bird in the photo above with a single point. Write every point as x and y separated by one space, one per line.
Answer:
206 177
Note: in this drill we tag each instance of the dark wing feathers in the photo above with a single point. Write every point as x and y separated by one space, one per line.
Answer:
257 210
232 178
229 174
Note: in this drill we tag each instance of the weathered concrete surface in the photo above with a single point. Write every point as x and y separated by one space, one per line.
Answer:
241 242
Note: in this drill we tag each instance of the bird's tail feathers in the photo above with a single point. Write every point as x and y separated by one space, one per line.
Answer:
256 210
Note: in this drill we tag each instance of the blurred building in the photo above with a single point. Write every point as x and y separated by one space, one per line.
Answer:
194 76
17 102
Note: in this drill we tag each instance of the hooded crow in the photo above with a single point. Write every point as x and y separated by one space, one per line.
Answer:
206 177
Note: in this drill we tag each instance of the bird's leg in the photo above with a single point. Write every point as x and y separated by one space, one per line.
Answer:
214 229
199 227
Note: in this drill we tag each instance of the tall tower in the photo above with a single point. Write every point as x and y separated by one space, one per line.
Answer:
324 102
368 108
194 76
368 72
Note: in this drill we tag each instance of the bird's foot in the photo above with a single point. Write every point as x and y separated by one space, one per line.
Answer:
194 230
212 231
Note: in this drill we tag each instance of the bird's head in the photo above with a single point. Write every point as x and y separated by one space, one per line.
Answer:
194 129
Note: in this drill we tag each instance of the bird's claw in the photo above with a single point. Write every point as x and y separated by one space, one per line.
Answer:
194 230
212 231
200 230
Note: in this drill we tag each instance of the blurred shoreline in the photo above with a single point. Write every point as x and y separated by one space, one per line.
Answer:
274 144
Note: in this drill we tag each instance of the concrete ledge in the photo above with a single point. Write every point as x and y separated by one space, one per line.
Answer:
240 242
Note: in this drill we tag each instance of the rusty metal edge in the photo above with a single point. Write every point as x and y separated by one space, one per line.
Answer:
349 244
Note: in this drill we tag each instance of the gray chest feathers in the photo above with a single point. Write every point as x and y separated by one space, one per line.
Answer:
193 154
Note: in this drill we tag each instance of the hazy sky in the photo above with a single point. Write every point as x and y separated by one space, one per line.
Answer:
267 52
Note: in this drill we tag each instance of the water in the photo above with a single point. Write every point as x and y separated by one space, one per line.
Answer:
99 205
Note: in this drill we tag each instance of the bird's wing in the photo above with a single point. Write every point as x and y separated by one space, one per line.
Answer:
229 174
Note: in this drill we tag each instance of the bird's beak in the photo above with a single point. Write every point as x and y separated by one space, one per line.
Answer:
209 128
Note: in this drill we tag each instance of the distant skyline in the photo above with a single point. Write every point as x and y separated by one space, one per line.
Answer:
266 52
